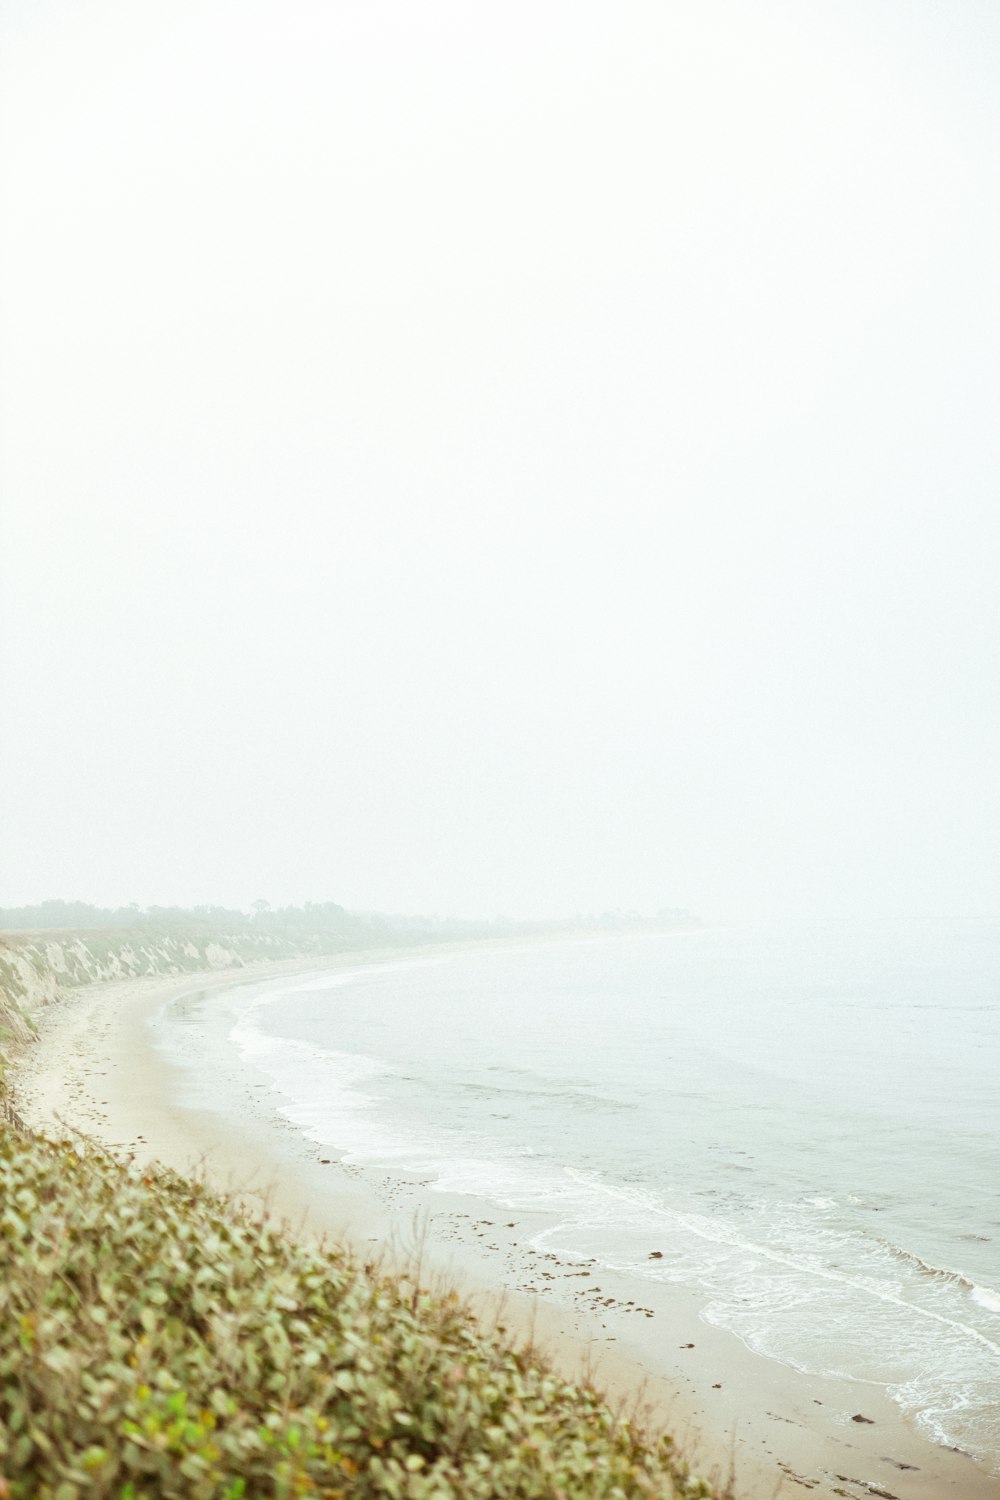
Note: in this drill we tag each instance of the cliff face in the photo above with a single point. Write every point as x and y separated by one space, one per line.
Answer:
37 968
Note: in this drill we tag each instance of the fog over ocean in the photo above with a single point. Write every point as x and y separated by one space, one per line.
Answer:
800 1123
501 461
478 465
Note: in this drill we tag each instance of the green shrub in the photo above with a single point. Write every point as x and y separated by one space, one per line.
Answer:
156 1341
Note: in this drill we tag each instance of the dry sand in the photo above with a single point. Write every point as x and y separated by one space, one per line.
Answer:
96 1070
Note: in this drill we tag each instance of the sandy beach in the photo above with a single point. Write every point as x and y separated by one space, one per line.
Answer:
97 1069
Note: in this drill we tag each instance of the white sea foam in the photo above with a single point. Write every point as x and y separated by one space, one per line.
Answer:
751 1191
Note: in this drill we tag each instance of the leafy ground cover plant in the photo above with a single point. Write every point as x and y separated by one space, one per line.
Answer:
156 1341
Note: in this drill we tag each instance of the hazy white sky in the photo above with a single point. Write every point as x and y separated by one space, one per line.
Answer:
522 458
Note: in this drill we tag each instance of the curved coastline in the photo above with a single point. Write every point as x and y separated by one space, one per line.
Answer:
97 1068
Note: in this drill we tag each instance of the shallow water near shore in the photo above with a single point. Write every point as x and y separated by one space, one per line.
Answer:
802 1126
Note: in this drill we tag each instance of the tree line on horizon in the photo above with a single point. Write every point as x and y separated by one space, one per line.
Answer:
313 916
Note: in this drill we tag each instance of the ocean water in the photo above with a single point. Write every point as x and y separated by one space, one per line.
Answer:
804 1124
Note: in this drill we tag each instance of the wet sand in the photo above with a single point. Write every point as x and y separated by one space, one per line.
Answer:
97 1070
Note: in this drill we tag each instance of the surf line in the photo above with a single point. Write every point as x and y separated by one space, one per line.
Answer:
716 1234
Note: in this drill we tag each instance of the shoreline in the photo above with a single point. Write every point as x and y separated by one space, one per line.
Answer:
96 1067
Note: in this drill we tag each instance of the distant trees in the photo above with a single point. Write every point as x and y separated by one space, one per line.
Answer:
316 916
317 919
55 914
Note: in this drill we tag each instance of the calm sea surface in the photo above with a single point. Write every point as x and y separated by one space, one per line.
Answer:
805 1123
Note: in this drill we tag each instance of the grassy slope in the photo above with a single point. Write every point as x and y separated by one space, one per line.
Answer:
155 1341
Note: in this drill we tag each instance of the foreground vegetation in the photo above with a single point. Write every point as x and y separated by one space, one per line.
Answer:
156 1341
